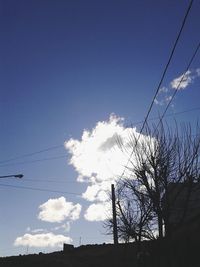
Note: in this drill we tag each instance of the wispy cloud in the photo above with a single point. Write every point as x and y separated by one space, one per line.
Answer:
58 209
42 240
65 227
37 230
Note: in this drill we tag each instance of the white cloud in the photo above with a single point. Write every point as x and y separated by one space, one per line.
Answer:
97 152
182 81
100 161
42 240
98 212
97 157
58 209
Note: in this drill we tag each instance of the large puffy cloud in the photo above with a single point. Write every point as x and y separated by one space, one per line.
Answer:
100 161
58 209
97 157
42 240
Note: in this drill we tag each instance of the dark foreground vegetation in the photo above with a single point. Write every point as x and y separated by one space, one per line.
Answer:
181 250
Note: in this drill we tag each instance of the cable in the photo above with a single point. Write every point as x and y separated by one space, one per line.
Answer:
167 65
52 158
32 161
39 189
161 80
31 154
168 115
48 181
179 84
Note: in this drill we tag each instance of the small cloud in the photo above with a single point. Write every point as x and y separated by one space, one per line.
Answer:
42 240
58 209
98 212
182 81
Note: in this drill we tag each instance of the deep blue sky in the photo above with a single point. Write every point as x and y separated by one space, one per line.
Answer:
65 65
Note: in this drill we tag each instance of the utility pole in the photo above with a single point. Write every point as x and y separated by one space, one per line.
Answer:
115 234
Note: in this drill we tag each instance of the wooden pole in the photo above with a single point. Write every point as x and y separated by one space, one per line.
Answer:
115 234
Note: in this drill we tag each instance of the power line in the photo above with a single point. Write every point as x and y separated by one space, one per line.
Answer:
167 65
32 154
168 115
48 181
179 84
60 157
161 80
39 189
33 161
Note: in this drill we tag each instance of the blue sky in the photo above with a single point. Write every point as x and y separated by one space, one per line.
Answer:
66 66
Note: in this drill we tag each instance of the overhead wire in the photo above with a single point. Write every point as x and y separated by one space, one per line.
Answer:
167 65
150 107
31 154
161 80
65 156
48 181
168 115
33 161
40 189
179 84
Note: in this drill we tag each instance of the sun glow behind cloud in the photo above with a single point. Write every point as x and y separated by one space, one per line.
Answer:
99 161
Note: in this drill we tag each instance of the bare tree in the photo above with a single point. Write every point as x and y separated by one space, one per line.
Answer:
159 159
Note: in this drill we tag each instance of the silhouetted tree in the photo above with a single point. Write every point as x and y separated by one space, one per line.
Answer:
160 158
